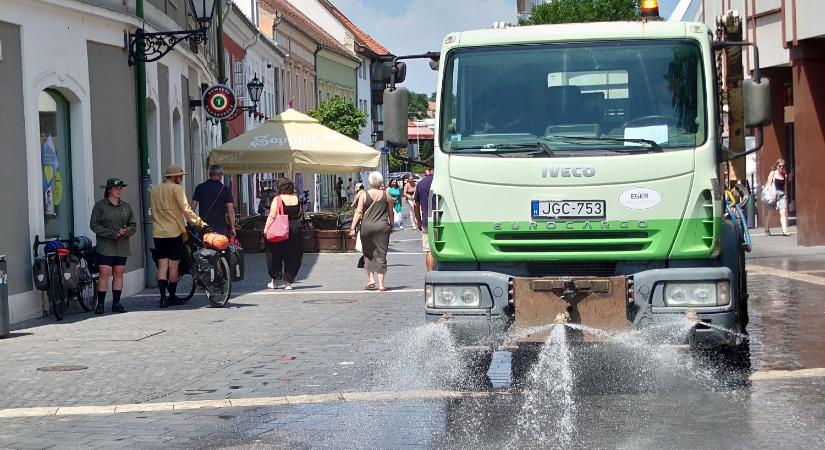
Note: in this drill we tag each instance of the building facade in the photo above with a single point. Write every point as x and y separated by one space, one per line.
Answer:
70 122
791 41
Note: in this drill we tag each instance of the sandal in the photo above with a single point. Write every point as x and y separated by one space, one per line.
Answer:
383 289
785 233
369 286
767 231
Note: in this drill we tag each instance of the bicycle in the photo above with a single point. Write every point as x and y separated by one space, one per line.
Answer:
59 296
219 289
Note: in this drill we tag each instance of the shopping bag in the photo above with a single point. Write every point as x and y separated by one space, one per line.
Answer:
279 228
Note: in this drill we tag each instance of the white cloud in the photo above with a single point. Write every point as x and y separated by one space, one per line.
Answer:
422 27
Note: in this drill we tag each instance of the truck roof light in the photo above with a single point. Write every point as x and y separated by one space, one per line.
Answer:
649 9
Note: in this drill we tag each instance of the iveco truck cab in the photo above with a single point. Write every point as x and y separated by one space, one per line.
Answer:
577 172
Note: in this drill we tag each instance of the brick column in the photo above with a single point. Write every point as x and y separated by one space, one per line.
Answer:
808 62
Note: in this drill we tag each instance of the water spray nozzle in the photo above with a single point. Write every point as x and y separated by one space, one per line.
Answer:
562 318
445 318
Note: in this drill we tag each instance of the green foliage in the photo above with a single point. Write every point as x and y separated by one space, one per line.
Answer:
341 115
432 97
418 106
580 11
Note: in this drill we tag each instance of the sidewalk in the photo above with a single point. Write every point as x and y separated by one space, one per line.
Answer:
197 352
783 252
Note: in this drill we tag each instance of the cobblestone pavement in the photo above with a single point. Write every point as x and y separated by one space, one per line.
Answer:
331 366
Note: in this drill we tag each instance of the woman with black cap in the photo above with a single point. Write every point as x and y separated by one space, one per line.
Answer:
113 222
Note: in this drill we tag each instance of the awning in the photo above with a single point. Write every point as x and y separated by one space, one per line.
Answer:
294 142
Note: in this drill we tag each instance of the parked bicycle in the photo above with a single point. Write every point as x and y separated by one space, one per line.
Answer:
207 268
67 271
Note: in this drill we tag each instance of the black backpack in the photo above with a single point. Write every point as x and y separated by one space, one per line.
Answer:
236 262
204 261
40 273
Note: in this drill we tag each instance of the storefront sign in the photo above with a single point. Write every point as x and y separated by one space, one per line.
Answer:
219 101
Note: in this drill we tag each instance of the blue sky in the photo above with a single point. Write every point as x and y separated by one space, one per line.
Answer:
417 26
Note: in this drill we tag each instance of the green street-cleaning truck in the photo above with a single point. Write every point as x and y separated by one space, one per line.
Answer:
578 172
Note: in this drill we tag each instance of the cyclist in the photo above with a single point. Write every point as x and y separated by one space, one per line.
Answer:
169 207
114 223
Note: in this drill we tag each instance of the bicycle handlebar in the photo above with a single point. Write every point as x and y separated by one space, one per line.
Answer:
38 243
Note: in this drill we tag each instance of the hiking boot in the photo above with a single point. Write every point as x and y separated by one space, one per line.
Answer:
118 308
99 308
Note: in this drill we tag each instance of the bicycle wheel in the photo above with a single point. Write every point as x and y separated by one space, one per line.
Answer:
218 292
186 286
56 292
86 290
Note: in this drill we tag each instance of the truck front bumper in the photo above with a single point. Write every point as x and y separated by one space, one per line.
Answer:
488 323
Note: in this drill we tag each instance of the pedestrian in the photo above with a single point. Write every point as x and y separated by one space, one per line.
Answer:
395 193
358 189
340 192
409 195
215 203
169 207
778 178
284 257
350 191
374 211
113 222
421 211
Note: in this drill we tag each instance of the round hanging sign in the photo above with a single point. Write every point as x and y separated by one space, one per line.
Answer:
219 101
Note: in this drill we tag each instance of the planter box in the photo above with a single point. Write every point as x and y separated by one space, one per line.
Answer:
330 240
349 242
251 241
310 244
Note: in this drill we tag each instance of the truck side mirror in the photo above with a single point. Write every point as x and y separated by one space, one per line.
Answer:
756 97
387 69
396 102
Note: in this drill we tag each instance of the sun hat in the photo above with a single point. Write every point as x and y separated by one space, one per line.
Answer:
174 171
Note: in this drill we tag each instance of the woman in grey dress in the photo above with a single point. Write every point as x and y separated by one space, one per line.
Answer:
374 210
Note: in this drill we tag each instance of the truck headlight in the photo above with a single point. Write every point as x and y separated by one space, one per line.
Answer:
697 294
452 296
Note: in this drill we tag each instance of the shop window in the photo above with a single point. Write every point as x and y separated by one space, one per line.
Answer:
55 161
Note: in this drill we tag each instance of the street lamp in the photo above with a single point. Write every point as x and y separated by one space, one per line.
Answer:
374 137
148 47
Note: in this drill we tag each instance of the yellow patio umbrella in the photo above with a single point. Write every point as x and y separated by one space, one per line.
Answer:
294 142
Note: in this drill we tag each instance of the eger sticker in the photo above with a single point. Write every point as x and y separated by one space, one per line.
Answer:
639 198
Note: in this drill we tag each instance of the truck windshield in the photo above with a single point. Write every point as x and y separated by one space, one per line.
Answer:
582 98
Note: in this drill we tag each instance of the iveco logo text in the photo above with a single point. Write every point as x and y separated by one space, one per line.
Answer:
568 171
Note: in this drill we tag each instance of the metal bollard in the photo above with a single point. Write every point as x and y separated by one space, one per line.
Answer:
4 299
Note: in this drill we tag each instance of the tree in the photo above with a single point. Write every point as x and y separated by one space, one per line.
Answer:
418 106
432 97
579 11
341 115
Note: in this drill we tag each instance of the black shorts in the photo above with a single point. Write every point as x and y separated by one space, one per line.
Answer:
111 261
169 248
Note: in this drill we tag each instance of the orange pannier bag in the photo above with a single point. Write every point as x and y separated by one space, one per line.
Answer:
216 241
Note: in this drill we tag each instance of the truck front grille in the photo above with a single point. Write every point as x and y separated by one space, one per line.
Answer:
572 241
571 269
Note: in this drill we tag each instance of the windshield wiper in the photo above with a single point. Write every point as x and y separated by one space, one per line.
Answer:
652 145
499 149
